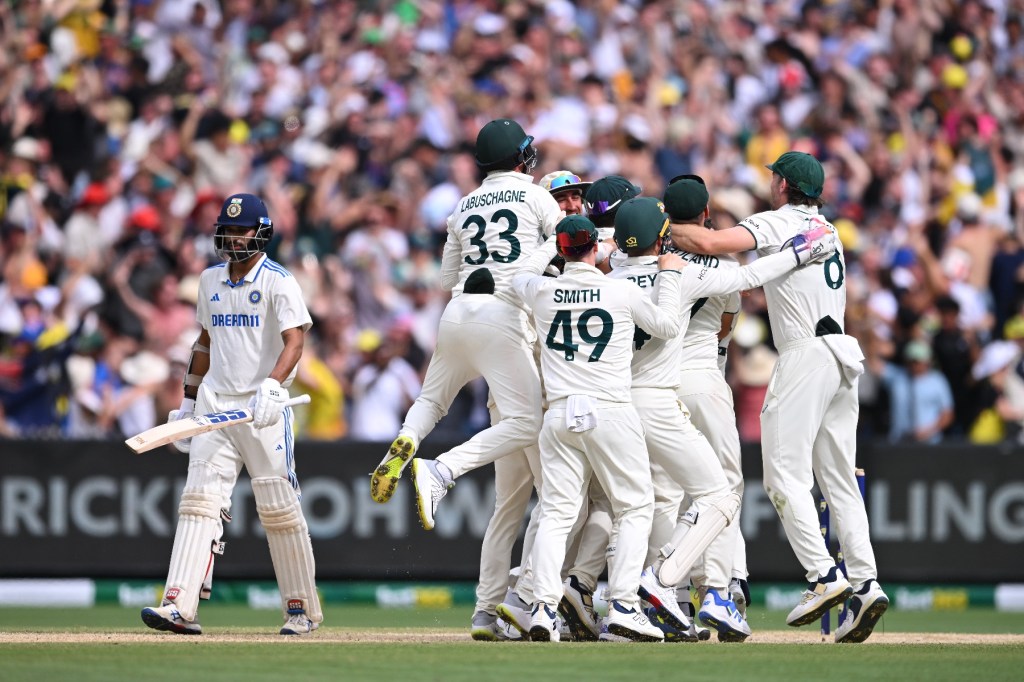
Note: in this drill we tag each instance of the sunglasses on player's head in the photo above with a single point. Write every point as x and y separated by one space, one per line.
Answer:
563 180
687 176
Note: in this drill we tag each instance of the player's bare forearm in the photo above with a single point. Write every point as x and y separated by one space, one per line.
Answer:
699 239
198 365
294 339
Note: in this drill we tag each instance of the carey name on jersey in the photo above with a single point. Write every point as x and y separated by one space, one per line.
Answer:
232 320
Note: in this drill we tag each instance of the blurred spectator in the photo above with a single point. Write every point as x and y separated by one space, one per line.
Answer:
1001 394
920 400
955 352
382 389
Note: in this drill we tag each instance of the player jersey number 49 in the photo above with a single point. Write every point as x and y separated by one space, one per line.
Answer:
477 240
561 326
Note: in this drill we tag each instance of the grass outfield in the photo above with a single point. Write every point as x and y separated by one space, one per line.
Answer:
110 643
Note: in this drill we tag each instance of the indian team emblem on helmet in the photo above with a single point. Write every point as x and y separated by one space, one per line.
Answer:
255 296
234 209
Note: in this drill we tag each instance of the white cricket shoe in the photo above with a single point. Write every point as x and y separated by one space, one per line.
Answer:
430 490
577 610
607 636
384 478
866 606
516 613
739 592
720 613
484 627
632 624
819 597
507 633
543 624
663 599
298 624
166 617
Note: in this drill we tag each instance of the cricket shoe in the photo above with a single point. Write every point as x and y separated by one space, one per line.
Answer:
671 633
484 627
663 599
577 610
866 606
384 478
507 633
721 614
166 617
607 636
543 624
697 632
632 624
819 597
298 624
430 490
516 613
739 592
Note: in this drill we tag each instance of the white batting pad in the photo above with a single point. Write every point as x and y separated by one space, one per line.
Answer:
698 527
290 547
196 539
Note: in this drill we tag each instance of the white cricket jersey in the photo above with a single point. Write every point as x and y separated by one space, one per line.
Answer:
245 322
498 226
585 322
798 301
657 362
701 346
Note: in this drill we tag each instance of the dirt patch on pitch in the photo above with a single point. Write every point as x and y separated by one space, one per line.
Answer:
455 636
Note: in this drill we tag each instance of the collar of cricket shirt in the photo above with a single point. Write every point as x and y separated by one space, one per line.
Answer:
249 276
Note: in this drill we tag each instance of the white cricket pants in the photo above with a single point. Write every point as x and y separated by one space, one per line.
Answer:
614 453
808 431
685 463
481 335
709 398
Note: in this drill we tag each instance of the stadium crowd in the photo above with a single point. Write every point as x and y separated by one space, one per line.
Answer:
125 123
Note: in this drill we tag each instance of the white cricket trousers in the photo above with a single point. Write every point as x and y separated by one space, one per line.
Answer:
481 335
614 453
709 398
682 461
808 431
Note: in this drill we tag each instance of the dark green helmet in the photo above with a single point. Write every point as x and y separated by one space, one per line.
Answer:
640 222
502 145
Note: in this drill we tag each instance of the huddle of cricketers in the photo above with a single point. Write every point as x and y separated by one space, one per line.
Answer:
599 319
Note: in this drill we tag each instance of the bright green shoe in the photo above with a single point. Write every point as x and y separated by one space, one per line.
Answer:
385 477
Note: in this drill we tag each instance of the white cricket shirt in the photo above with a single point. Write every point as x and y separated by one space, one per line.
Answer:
585 323
498 226
700 345
245 322
799 300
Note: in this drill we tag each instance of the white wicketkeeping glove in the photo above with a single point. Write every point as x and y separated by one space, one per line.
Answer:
268 403
814 245
187 409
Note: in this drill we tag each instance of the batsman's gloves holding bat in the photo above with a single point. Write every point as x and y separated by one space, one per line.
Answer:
813 246
187 409
268 403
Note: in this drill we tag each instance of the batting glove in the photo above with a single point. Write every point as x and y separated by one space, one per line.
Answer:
187 409
814 245
268 403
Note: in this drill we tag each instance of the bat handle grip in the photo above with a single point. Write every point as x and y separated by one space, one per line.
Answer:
298 400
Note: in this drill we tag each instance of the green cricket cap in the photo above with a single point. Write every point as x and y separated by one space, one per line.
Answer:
802 170
640 222
686 198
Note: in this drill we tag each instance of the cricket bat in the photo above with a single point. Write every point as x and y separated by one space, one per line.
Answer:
193 426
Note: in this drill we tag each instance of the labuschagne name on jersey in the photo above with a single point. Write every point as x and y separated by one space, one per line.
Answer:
577 295
502 196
